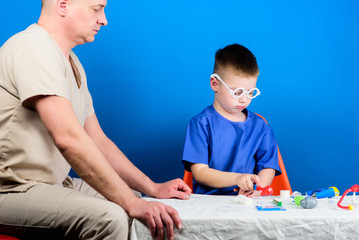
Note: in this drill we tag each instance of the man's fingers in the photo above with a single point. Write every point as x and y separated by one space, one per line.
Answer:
159 225
181 195
161 216
174 216
182 186
152 226
166 218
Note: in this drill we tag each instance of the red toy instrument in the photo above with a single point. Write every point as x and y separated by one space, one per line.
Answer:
353 189
266 191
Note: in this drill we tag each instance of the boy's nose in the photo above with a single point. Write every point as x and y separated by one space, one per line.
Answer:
242 98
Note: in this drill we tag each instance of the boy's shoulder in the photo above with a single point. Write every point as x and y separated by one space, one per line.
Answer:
209 112
204 115
255 120
256 117
209 116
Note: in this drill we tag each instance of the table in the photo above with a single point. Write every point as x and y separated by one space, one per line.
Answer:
220 217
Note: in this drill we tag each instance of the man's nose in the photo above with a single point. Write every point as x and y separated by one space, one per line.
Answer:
103 20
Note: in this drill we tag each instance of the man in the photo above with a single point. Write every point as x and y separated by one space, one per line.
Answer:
48 124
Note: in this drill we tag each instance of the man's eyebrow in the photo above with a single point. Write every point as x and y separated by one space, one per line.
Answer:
99 5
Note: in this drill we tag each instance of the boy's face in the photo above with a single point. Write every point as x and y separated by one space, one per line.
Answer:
224 102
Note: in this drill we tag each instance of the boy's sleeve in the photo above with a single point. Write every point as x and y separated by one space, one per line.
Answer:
196 144
267 154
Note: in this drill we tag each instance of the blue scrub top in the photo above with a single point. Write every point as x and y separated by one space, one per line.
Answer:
241 147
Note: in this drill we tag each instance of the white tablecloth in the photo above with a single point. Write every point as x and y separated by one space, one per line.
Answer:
220 217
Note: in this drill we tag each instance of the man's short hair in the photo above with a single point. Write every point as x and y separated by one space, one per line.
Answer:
236 58
43 2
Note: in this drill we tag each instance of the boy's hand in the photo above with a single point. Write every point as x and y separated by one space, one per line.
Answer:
254 194
245 183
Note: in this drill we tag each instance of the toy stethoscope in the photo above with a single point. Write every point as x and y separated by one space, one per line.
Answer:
353 189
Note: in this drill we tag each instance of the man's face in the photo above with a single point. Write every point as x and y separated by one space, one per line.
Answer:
84 19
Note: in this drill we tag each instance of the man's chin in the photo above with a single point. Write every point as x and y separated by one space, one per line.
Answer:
90 39
86 40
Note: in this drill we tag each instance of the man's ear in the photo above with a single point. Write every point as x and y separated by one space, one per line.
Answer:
214 84
62 6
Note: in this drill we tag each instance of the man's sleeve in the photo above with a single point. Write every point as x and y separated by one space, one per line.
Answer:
38 69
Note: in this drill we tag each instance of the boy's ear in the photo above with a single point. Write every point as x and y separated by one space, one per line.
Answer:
214 84
62 6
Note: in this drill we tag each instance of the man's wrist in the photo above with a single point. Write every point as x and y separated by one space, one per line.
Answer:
130 204
152 189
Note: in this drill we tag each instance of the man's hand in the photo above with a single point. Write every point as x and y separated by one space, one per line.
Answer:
156 216
172 189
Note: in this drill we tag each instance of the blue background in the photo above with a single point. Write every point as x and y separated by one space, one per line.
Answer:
148 72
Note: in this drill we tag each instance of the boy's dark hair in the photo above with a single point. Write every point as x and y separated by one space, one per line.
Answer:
238 58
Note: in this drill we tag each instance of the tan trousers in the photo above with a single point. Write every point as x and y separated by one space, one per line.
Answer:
75 211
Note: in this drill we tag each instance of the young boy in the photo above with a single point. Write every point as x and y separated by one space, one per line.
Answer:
227 147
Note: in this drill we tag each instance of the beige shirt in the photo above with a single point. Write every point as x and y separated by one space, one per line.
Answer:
31 64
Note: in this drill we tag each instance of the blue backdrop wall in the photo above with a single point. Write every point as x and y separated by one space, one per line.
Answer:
148 72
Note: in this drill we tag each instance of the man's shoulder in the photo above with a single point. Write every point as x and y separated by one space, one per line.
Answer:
33 44
34 37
